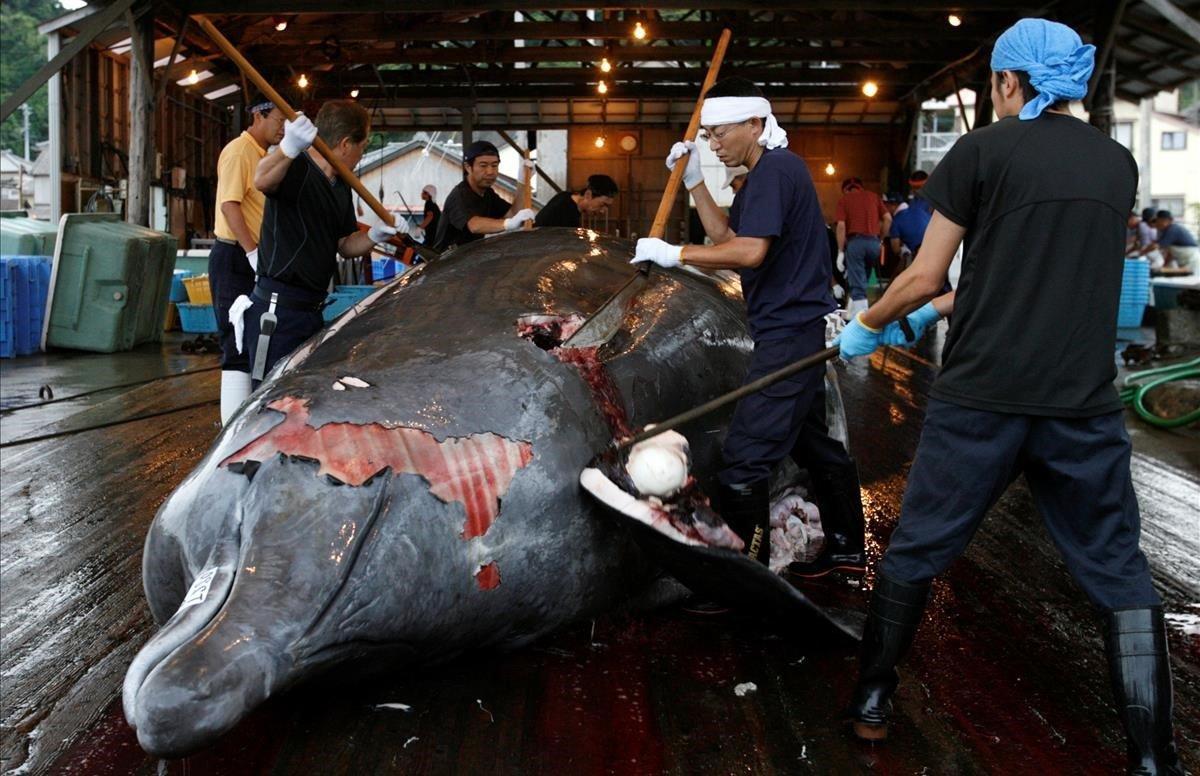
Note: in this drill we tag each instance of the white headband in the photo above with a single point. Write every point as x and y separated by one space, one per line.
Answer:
732 110
431 190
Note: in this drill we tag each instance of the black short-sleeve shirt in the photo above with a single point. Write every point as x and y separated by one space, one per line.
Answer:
432 229
791 288
1044 203
461 206
303 221
561 210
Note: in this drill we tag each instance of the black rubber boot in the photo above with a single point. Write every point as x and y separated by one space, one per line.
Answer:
1136 640
747 510
892 618
836 491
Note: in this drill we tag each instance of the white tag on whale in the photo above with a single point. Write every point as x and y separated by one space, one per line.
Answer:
199 589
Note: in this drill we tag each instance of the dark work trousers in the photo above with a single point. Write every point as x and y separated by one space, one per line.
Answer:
1077 470
292 328
229 276
787 418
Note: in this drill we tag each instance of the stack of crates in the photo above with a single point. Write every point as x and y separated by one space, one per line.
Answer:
1135 293
110 284
383 269
196 315
24 283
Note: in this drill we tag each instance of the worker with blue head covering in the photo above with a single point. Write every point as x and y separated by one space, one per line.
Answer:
1038 201
1058 65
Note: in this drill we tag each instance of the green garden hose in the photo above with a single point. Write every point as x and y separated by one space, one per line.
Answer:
1138 384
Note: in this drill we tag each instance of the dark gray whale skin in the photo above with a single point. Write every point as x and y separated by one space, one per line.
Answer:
308 572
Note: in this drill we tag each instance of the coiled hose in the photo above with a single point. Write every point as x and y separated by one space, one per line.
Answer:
1138 384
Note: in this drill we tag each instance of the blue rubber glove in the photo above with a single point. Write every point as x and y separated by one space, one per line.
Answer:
918 320
858 339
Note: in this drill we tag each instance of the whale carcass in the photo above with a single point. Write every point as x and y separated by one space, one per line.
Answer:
405 486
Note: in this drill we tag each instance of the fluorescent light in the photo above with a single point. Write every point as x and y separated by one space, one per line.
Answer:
224 90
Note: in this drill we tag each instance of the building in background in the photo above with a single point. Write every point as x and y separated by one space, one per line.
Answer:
16 181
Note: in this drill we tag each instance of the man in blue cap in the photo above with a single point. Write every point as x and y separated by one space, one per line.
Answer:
1026 385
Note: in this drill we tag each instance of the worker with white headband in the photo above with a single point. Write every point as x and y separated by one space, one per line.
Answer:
774 236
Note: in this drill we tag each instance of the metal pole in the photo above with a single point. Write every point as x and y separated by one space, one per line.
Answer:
54 116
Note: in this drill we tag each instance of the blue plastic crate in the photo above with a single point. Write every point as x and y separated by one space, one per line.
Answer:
383 269
1135 293
343 298
178 289
24 284
197 318
1129 315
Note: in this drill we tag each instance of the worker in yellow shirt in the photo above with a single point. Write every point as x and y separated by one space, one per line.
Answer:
233 261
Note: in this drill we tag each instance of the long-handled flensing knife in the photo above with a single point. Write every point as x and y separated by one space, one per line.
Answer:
605 322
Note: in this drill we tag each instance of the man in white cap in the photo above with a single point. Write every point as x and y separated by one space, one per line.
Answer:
433 213
1026 386
775 237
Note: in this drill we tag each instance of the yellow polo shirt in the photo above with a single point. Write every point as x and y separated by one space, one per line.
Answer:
235 183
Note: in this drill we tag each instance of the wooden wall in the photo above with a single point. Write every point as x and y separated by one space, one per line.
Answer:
189 133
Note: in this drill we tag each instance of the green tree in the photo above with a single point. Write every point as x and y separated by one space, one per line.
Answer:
22 52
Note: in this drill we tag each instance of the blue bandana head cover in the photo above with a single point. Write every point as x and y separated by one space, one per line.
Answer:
1058 63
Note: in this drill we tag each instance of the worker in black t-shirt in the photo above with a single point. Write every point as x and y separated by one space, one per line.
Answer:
307 221
1026 385
566 207
473 209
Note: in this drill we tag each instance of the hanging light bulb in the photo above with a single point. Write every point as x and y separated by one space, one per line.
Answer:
639 31
602 87
353 93
600 141
605 65
830 169
302 82
280 24
870 88
193 77
954 20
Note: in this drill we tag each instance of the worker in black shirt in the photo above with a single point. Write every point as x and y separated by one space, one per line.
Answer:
1026 385
565 207
473 209
432 214
308 220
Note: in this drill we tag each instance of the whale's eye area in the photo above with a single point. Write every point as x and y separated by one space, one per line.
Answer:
548 331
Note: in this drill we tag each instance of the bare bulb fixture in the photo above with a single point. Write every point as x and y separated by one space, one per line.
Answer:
639 31
870 88
605 65
281 25
954 20
830 169
193 77
354 93
602 87
600 141
302 82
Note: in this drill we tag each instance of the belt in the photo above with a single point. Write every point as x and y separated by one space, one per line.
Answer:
227 242
277 299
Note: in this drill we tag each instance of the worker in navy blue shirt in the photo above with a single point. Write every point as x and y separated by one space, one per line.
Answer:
1026 385
908 230
308 221
775 237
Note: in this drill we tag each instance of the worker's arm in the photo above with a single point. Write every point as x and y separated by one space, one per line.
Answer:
922 281
841 236
484 225
298 135
896 245
885 225
427 220
271 171
354 245
237 223
734 253
714 219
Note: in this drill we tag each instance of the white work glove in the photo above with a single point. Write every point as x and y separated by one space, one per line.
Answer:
524 170
841 261
517 221
381 233
661 252
237 316
693 176
298 135
252 257
838 292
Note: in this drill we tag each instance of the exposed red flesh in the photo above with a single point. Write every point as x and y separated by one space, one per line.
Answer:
488 576
474 471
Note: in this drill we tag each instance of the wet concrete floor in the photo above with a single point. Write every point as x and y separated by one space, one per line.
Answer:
1007 675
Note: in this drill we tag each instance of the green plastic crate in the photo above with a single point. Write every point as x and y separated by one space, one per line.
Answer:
27 237
111 284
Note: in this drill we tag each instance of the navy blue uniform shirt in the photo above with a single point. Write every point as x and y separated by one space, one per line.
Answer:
790 289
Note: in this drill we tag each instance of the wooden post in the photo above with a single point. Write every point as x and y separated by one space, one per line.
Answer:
141 111
1099 99
468 131
983 101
